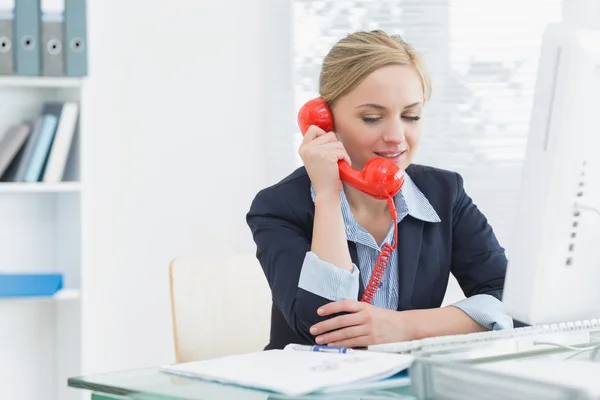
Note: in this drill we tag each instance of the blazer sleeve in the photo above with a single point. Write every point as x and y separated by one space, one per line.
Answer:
281 248
478 261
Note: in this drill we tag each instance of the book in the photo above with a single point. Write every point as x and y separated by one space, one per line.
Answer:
40 154
11 144
30 284
297 373
61 145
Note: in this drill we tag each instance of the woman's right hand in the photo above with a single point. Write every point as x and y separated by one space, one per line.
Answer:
320 152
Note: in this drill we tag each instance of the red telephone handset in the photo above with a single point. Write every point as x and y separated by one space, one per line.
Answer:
380 178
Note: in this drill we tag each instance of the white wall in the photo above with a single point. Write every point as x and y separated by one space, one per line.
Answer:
182 105
584 13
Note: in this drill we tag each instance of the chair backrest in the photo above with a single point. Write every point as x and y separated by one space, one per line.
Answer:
220 306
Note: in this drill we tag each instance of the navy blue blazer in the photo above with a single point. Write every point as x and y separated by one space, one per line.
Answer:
281 220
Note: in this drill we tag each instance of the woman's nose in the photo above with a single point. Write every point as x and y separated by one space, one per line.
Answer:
395 132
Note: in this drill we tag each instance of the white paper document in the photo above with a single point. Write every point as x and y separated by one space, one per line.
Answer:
296 373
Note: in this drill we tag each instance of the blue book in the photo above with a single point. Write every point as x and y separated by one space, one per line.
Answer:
39 156
27 285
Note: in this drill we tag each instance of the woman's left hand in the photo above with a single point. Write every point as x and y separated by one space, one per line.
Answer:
365 325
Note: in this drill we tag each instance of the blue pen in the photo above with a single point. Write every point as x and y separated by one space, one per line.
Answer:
322 349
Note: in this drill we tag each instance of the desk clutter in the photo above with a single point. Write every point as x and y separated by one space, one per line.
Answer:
40 41
496 365
37 150
313 373
297 373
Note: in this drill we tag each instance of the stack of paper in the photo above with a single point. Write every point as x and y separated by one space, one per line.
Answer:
577 375
539 379
296 373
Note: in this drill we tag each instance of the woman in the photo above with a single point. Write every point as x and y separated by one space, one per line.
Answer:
318 239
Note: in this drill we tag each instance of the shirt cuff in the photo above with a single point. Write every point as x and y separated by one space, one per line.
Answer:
487 311
328 281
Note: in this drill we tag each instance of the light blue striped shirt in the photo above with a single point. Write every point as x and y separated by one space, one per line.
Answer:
333 283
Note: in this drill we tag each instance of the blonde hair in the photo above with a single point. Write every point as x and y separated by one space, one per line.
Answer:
359 54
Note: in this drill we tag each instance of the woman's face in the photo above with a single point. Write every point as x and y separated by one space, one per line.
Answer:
382 116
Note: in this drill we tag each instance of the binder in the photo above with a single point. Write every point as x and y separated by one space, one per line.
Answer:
75 38
6 42
52 42
27 37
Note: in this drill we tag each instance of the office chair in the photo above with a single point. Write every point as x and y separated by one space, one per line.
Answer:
220 305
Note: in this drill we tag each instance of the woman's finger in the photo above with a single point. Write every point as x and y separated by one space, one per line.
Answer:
341 321
357 341
312 133
344 334
341 306
342 155
324 138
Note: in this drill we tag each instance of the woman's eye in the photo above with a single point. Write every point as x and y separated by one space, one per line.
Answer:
415 118
371 120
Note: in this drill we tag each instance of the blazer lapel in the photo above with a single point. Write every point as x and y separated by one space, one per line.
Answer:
410 237
354 257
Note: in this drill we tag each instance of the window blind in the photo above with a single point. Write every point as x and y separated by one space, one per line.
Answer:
483 58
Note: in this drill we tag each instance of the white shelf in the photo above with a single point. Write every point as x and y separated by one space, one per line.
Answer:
61 295
40 82
39 187
66 294
44 330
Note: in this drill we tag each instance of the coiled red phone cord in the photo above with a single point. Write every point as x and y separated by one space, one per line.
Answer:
382 260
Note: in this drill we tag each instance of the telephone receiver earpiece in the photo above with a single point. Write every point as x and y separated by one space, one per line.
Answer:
380 178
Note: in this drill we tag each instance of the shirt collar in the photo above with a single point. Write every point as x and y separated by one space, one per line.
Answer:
418 205
410 200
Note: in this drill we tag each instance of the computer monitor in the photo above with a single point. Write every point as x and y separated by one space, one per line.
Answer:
554 255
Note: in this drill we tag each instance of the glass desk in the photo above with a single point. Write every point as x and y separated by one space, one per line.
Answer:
150 383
